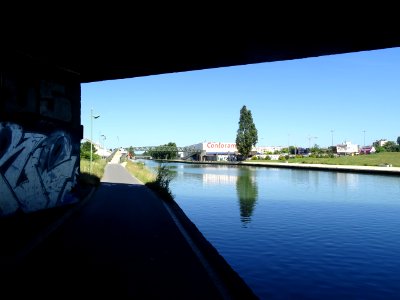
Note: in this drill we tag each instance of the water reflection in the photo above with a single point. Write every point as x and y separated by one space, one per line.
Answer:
172 169
247 192
348 180
217 179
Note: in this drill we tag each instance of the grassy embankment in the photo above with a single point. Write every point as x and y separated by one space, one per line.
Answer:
376 159
85 178
140 171
158 182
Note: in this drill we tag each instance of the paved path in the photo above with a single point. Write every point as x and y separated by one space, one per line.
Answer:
123 243
116 157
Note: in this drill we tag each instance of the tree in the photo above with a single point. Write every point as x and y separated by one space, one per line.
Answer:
168 151
391 146
131 152
247 135
398 140
85 151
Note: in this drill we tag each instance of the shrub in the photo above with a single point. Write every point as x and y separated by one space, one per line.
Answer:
161 184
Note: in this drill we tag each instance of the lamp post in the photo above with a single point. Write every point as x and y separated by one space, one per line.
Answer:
332 138
309 140
104 138
104 145
91 138
364 137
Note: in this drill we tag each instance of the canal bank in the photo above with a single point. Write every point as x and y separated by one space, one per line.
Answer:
373 170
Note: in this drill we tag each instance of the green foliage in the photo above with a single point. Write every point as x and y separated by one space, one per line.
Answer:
247 135
168 151
315 149
376 159
391 146
86 147
164 177
131 151
97 171
85 151
379 149
140 171
161 184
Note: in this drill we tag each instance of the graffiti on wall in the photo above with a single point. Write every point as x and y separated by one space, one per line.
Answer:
37 171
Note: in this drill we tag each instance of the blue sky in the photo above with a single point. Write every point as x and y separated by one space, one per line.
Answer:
299 102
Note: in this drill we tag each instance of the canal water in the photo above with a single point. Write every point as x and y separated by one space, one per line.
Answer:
298 234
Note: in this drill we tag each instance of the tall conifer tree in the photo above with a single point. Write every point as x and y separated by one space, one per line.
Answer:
247 135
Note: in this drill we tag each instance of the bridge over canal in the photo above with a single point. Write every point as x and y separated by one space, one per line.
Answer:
187 151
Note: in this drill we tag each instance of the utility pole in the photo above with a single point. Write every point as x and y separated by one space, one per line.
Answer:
104 144
309 141
332 138
364 137
91 138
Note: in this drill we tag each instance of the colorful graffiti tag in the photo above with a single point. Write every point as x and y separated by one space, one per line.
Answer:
37 171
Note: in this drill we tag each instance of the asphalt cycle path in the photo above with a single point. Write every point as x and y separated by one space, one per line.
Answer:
123 243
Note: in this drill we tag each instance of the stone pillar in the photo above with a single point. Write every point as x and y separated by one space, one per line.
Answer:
40 134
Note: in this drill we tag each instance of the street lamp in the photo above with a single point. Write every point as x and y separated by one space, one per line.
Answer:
91 138
332 137
364 137
104 138
104 145
309 140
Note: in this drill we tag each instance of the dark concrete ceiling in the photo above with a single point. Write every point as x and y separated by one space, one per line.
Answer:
104 55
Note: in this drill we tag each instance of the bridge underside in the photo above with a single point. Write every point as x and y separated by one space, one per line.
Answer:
123 50
40 79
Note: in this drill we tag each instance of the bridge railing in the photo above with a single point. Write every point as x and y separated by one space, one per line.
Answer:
167 148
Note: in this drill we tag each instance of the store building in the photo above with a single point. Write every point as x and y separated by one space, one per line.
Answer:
221 151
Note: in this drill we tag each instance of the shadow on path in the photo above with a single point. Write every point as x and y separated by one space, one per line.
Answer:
122 242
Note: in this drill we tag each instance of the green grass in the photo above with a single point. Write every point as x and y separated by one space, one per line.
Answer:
140 171
97 171
375 159
159 182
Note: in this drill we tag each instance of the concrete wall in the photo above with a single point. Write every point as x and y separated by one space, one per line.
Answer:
40 135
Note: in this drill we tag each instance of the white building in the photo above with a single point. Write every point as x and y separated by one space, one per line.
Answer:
347 148
381 142
212 151
221 151
268 149
102 152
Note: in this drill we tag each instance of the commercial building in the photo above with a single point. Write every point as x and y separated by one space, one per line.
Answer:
347 148
222 151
